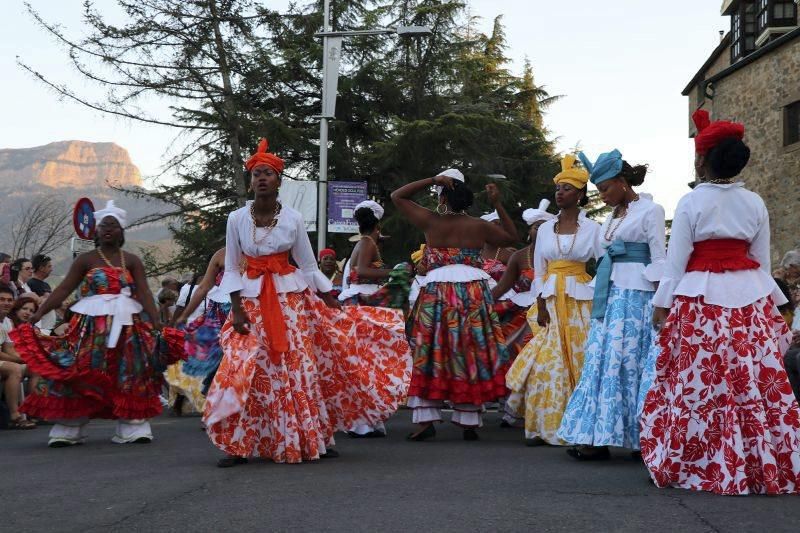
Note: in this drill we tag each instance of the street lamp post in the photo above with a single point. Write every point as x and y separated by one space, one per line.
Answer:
331 41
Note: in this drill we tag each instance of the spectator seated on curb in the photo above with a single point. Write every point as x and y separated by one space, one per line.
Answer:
791 359
12 369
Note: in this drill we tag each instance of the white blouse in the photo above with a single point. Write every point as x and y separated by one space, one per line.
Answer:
712 211
643 223
289 234
586 247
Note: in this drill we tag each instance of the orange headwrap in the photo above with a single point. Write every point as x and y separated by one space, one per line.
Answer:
709 134
262 157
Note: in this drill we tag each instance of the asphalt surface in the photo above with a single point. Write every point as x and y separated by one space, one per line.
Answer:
495 484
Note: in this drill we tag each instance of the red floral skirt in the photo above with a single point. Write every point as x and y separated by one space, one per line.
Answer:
286 406
81 377
721 415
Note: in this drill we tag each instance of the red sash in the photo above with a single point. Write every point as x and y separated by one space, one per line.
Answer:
271 314
721 255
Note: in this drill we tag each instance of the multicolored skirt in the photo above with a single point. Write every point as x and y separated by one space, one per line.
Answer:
543 376
81 377
514 322
287 406
457 344
604 410
202 340
721 416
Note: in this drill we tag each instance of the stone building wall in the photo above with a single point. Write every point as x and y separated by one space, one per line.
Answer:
756 95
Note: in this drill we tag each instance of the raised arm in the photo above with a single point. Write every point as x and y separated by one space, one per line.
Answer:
415 213
506 233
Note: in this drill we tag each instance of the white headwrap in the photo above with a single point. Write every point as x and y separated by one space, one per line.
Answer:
450 173
111 211
792 257
532 216
491 217
375 207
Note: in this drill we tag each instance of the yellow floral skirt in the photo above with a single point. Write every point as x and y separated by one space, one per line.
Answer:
187 386
544 374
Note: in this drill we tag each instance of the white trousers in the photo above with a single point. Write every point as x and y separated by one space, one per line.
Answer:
464 414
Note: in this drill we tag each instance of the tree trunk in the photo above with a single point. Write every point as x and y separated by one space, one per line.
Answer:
232 119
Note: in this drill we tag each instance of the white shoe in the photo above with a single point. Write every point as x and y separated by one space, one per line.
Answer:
137 432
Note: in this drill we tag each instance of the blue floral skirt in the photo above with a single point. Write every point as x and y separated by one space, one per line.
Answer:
604 408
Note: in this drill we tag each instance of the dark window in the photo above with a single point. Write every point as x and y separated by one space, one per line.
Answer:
744 27
784 13
791 124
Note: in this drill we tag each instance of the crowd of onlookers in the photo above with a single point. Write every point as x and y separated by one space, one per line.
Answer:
788 277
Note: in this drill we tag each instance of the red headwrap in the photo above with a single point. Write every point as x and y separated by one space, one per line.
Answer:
262 157
709 134
325 252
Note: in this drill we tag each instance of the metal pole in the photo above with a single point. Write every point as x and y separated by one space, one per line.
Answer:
322 185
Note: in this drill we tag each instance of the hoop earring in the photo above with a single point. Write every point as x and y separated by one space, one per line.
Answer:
438 212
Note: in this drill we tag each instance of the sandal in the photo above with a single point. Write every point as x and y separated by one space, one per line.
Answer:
584 454
231 460
22 423
427 433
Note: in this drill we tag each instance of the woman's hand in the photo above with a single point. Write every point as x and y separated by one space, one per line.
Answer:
444 181
543 318
659 317
157 325
330 300
493 194
180 321
239 321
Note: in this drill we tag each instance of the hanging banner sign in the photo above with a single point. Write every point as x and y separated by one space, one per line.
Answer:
301 195
343 196
330 81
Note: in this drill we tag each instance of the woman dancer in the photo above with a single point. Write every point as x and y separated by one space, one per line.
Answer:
375 301
457 343
548 368
495 258
603 410
721 415
192 377
110 362
290 374
514 294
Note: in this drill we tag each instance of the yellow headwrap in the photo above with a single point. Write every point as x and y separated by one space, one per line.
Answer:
575 176
416 256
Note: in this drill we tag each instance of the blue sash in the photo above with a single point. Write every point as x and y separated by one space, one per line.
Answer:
618 252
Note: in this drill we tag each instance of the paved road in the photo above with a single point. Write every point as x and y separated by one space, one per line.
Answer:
389 484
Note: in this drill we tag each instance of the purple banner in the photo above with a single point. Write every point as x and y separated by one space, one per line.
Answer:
343 196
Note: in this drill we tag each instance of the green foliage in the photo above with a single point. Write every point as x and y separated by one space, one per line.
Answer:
235 71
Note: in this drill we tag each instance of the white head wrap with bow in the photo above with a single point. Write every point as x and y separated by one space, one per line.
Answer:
111 210
450 173
532 216
373 206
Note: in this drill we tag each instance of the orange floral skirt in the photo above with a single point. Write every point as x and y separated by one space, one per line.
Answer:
287 406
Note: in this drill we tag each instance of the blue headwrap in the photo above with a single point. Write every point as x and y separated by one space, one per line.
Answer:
607 166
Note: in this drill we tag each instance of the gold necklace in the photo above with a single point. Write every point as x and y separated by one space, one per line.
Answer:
107 262
611 230
558 241
269 227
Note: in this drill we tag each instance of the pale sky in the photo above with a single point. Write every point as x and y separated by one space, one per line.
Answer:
620 66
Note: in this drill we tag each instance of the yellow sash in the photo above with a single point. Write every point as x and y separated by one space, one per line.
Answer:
562 270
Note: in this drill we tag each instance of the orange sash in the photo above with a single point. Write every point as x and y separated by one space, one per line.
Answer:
271 314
